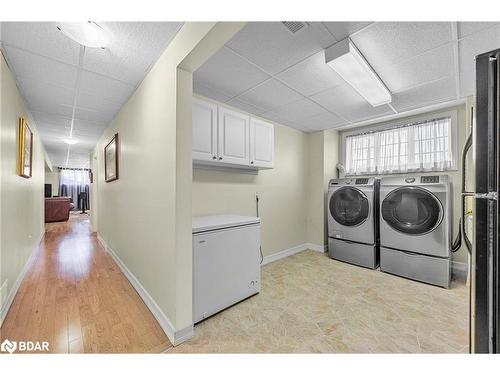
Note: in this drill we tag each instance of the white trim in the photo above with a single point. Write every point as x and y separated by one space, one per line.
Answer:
12 294
460 269
176 337
315 247
291 251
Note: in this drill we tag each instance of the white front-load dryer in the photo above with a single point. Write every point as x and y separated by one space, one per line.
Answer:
353 221
415 229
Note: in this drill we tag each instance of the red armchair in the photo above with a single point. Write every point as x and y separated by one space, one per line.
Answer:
57 209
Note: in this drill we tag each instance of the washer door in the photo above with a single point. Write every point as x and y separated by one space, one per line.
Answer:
412 210
349 206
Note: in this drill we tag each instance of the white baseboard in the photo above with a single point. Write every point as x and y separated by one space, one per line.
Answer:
315 247
12 294
176 337
291 251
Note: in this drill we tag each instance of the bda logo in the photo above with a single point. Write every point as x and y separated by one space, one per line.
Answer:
8 346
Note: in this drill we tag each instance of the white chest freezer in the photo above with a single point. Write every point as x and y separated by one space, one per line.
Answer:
226 262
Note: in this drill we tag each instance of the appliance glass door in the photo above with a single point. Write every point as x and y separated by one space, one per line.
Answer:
349 206
412 210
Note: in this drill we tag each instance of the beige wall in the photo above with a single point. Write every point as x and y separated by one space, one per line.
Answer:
21 199
456 176
315 188
52 177
145 216
282 192
331 159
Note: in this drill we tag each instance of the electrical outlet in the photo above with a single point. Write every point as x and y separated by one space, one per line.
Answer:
257 195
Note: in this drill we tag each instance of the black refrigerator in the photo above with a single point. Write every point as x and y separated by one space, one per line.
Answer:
484 255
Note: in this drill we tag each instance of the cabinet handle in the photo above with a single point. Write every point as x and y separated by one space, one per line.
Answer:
251 162
214 157
220 157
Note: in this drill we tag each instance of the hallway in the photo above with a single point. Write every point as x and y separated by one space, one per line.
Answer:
75 297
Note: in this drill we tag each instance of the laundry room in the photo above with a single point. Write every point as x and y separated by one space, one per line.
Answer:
348 158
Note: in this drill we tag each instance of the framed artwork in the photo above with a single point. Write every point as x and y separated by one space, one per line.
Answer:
25 150
111 160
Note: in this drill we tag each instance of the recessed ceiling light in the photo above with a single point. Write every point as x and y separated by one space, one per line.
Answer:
348 62
70 141
88 34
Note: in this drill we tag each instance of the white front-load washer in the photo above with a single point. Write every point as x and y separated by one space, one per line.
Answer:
353 221
415 234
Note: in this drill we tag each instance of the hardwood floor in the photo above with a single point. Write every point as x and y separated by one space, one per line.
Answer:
76 298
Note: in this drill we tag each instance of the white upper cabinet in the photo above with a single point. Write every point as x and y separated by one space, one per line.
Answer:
204 130
234 137
261 143
228 138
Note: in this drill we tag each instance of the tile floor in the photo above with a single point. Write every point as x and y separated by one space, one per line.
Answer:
310 303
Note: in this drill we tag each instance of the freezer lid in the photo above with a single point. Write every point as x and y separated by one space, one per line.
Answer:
214 222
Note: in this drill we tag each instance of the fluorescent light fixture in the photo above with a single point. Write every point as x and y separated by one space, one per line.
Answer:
70 141
88 34
348 62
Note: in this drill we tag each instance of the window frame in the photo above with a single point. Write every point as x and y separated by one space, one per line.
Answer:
452 114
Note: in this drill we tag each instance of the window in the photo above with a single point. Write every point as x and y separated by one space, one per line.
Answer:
420 146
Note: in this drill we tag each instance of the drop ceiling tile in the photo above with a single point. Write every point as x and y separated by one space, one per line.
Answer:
51 119
34 67
92 115
209 92
342 30
133 48
467 28
299 110
97 104
105 88
37 92
473 45
385 43
37 104
323 121
41 38
245 107
273 48
229 73
424 95
344 101
269 95
274 117
311 75
429 66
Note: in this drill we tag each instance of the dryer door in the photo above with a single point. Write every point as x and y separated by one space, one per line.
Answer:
412 210
349 206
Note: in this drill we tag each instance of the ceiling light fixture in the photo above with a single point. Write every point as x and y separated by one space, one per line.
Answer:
88 34
348 62
70 141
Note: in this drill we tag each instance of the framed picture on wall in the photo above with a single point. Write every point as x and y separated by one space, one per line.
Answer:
111 165
25 149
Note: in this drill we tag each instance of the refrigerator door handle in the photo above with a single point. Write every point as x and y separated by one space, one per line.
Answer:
465 194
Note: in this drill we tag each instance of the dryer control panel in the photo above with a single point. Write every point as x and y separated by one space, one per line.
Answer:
429 179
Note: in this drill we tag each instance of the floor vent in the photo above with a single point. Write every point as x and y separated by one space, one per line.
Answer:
294 26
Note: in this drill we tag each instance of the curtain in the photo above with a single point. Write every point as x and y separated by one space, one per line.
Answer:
72 183
418 147
432 146
360 155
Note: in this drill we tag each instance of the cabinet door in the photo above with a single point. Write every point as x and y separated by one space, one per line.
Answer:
261 143
234 137
204 130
